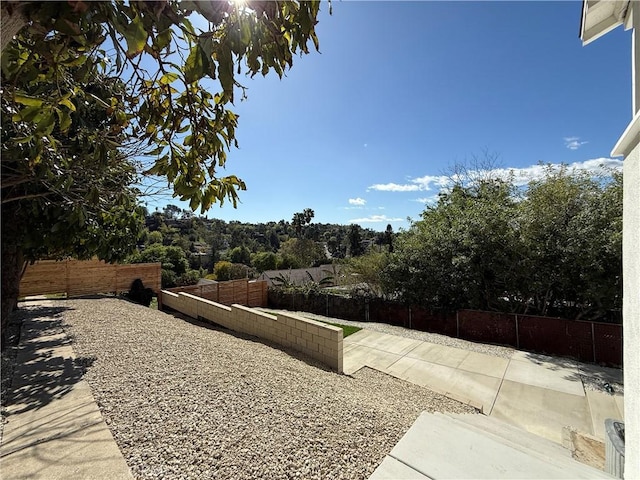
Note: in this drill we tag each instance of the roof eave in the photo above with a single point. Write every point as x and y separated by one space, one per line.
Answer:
614 19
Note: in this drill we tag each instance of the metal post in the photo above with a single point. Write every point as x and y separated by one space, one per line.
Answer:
517 334
457 325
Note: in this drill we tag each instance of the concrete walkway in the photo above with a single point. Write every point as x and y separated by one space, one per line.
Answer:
536 393
55 429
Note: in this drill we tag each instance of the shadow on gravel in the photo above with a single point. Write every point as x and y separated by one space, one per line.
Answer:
45 368
250 338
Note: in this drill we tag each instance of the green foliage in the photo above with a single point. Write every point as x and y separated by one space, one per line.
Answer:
284 283
64 182
301 253
238 271
175 267
263 261
240 255
179 80
154 237
169 278
300 220
366 271
572 231
80 124
388 238
552 248
461 252
222 271
355 241
190 277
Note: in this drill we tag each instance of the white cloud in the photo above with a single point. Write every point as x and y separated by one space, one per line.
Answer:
519 176
426 181
357 201
424 200
394 187
522 176
573 143
376 219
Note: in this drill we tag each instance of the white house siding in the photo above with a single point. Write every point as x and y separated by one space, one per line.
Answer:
631 310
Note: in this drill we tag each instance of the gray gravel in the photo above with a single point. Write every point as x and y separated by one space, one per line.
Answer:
495 350
184 400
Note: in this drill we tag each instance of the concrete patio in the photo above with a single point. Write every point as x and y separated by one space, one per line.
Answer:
537 393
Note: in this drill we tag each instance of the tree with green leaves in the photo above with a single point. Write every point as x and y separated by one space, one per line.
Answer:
263 261
240 255
301 253
572 233
367 272
175 266
551 248
159 76
388 238
460 254
301 220
76 196
354 238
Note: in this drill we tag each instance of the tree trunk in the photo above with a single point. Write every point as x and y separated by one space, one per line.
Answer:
12 266
11 22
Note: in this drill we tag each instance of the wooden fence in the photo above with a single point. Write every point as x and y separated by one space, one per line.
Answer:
584 340
76 277
241 292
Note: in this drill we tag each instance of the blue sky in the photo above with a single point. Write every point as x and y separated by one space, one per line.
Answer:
402 91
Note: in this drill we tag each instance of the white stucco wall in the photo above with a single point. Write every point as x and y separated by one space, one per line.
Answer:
631 312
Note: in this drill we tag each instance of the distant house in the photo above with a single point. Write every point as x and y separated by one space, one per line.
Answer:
598 18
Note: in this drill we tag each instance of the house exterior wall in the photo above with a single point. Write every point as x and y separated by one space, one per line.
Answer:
628 146
631 310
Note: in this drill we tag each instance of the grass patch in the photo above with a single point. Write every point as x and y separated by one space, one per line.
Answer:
346 329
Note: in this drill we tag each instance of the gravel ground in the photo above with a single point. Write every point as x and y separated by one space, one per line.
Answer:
184 400
495 350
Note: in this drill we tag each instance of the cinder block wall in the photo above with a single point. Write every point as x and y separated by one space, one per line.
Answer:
316 339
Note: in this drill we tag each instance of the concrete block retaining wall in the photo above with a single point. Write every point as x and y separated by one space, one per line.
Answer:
316 339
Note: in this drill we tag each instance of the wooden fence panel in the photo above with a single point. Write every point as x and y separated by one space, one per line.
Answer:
257 294
242 292
488 327
608 343
86 278
75 277
225 293
149 273
46 277
209 291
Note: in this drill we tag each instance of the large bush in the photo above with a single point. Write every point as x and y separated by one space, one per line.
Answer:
175 266
552 248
